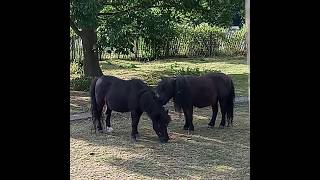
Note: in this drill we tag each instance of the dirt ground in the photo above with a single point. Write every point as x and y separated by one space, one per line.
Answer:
204 154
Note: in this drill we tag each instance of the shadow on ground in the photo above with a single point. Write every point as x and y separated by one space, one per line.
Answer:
206 153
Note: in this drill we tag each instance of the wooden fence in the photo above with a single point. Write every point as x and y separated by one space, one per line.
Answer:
230 44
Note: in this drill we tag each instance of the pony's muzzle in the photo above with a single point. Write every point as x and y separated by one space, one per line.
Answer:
164 139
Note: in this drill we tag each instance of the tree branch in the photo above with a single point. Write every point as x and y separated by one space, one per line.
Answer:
75 28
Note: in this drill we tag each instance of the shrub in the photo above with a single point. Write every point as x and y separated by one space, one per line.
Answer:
75 69
80 83
131 66
188 71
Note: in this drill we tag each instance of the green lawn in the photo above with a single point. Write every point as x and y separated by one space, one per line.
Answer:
151 72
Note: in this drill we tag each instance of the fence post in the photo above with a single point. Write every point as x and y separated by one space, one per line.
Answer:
72 49
136 49
210 44
166 54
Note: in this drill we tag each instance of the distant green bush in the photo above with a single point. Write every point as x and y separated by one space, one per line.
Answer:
80 83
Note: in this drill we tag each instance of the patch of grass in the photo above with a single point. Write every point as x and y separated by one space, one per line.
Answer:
150 72
241 84
204 154
188 71
119 65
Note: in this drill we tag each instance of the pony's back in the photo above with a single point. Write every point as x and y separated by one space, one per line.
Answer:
139 84
222 82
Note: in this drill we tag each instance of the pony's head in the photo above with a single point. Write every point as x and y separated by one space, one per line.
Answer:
157 113
160 122
165 90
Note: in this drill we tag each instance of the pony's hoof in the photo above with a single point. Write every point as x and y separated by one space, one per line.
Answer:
133 139
221 127
191 129
185 128
137 135
109 129
100 131
210 126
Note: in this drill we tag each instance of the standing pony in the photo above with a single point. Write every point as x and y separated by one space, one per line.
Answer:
127 96
199 91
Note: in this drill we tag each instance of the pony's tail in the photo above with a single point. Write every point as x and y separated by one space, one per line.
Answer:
94 110
176 105
177 95
230 106
182 94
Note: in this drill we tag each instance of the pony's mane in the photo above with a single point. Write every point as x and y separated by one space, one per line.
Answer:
182 93
149 99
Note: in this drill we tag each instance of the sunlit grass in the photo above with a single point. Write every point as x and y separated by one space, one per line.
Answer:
151 72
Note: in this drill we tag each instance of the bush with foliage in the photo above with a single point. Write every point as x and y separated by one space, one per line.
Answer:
80 83
235 42
176 71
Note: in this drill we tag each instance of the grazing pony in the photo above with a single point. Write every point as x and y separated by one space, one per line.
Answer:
199 91
127 96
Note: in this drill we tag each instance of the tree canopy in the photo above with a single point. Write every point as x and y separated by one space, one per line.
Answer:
118 22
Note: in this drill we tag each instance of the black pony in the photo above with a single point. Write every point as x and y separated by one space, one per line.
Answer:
124 96
199 91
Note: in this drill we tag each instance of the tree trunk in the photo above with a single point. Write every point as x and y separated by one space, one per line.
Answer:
90 52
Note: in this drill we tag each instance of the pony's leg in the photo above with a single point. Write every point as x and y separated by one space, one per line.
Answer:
108 116
97 120
188 113
223 106
186 125
191 127
214 114
135 116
